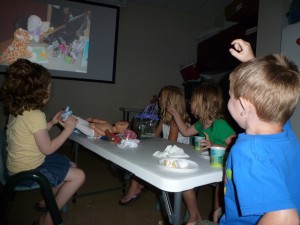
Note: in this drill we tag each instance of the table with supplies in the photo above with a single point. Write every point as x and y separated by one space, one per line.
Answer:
141 162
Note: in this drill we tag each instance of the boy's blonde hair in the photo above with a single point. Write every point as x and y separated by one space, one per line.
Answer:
174 95
209 102
271 84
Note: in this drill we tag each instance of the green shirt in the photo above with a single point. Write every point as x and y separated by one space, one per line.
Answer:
218 132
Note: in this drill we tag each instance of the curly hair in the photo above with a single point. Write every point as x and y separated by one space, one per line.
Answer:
209 102
25 87
174 95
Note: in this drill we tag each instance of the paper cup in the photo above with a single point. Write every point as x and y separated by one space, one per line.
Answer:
197 144
217 156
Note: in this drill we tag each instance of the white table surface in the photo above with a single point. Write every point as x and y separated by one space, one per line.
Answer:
141 162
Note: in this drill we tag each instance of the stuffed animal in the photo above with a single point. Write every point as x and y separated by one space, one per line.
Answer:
18 48
34 25
46 27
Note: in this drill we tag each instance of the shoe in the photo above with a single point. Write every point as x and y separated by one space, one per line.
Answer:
132 198
37 207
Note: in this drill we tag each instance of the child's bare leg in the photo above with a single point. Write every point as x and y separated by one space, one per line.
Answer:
135 187
190 199
42 203
218 203
74 179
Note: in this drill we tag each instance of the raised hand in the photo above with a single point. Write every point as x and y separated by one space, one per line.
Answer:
241 50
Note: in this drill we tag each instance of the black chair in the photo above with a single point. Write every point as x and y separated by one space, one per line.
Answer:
11 185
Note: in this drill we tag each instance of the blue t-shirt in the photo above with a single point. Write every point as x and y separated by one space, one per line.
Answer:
262 175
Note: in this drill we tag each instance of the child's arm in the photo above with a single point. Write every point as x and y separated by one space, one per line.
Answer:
184 129
158 129
241 50
173 135
281 217
48 146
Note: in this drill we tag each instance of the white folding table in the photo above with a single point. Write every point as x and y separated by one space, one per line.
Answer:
141 162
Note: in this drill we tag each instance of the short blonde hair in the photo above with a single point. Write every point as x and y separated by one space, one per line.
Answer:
174 95
209 102
271 84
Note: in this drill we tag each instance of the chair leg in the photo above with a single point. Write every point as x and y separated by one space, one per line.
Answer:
8 192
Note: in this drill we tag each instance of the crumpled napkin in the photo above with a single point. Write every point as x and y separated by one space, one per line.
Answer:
171 151
129 143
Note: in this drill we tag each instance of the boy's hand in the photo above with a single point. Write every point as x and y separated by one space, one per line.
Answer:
241 50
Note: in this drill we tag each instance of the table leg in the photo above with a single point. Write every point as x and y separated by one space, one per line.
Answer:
75 147
124 114
177 207
75 151
173 214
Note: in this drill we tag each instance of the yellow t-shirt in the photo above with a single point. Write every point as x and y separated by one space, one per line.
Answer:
23 153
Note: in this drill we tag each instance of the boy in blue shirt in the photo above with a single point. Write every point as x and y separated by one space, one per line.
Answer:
262 183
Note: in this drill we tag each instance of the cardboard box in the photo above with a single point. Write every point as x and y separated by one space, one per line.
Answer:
241 10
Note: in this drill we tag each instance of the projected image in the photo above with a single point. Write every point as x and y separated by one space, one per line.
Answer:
57 37
73 39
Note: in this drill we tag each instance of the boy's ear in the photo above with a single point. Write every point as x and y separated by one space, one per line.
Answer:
248 106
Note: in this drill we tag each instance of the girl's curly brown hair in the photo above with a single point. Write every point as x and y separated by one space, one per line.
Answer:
25 87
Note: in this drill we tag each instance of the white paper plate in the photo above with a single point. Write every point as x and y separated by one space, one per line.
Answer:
205 154
190 165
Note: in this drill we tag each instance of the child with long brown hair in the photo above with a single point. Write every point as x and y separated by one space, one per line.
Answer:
207 105
26 90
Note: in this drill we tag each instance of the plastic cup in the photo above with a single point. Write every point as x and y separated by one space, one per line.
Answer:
197 144
217 156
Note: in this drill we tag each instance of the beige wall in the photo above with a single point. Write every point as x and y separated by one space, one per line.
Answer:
153 44
270 24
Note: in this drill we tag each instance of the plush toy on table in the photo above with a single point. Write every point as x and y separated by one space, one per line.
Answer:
18 48
45 28
98 128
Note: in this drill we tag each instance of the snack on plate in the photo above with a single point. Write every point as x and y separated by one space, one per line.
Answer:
176 163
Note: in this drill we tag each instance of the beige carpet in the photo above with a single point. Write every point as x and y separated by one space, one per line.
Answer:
95 208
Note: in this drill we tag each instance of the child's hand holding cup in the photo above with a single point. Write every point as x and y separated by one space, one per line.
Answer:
197 143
